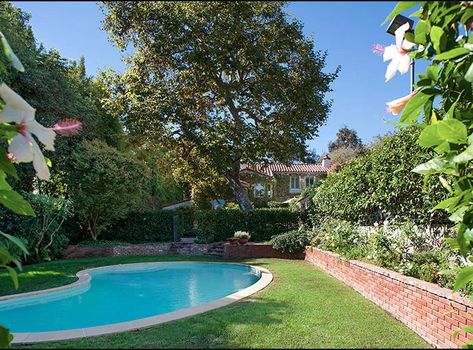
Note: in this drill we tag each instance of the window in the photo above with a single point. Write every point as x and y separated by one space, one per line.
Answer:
309 181
294 184
259 190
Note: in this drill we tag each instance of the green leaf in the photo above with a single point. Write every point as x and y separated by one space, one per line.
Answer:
433 166
412 109
421 32
445 184
447 203
15 240
430 137
13 275
7 50
465 276
6 165
437 35
15 202
465 156
459 51
5 256
5 337
400 7
452 130
469 74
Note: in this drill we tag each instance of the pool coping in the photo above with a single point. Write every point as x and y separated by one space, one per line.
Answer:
85 278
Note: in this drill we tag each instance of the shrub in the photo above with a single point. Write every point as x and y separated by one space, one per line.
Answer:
291 242
381 185
262 224
44 234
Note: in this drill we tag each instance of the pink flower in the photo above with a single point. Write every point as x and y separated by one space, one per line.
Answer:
396 106
378 49
67 127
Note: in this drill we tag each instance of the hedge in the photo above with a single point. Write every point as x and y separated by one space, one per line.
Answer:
207 225
152 226
262 224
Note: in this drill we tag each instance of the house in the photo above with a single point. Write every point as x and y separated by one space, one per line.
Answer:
280 182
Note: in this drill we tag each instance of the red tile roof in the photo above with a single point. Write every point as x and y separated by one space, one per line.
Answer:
278 168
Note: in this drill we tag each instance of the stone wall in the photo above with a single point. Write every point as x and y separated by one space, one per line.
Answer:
429 310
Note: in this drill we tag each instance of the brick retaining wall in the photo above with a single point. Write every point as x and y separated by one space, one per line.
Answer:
431 311
256 250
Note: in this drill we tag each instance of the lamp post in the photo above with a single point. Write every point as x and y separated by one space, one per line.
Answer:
395 23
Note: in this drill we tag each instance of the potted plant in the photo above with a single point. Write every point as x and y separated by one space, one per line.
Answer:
233 240
243 237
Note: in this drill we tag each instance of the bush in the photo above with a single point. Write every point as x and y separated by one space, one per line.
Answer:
153 226
44 234
262 224
291 242
381 185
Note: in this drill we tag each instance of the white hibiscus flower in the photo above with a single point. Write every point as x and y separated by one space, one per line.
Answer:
400 60
23 146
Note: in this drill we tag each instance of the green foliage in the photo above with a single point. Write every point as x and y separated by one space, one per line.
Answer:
44 235
106 185
242 234
291 242
262 224
381 185
445 40
346 138
255 86
152 226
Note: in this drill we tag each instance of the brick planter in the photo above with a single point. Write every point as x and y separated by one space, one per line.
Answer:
431 311
257 250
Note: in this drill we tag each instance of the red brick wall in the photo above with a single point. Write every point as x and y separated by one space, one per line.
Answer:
256 250
431 311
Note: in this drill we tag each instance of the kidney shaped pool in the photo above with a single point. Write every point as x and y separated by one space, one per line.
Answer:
121 293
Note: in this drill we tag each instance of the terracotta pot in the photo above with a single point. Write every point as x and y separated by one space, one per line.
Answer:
233 241
243 240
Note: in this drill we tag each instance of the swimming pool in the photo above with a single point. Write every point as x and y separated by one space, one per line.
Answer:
122 297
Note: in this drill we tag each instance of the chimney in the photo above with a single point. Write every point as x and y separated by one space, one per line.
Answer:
326 161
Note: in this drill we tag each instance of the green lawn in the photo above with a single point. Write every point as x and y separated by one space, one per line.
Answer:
302 308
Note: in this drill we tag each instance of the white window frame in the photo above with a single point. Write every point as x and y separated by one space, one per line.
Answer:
309 179
295 189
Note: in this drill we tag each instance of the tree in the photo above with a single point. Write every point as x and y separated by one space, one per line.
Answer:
347 138
108 184
312 156
228 82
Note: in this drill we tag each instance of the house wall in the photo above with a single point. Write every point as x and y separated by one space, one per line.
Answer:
282 185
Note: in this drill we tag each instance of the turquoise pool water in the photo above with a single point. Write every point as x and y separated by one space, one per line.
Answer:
124 293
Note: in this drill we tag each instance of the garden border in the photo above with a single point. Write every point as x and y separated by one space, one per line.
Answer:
433 312
85 278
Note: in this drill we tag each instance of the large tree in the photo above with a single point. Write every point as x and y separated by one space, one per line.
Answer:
346 138
228 82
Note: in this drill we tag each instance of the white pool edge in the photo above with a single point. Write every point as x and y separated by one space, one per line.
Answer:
85 278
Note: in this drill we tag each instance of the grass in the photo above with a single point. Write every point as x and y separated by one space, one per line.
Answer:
302 308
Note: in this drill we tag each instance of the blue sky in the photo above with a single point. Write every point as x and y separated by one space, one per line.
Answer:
347 30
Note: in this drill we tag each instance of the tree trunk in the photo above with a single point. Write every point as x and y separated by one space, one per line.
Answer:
237 188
